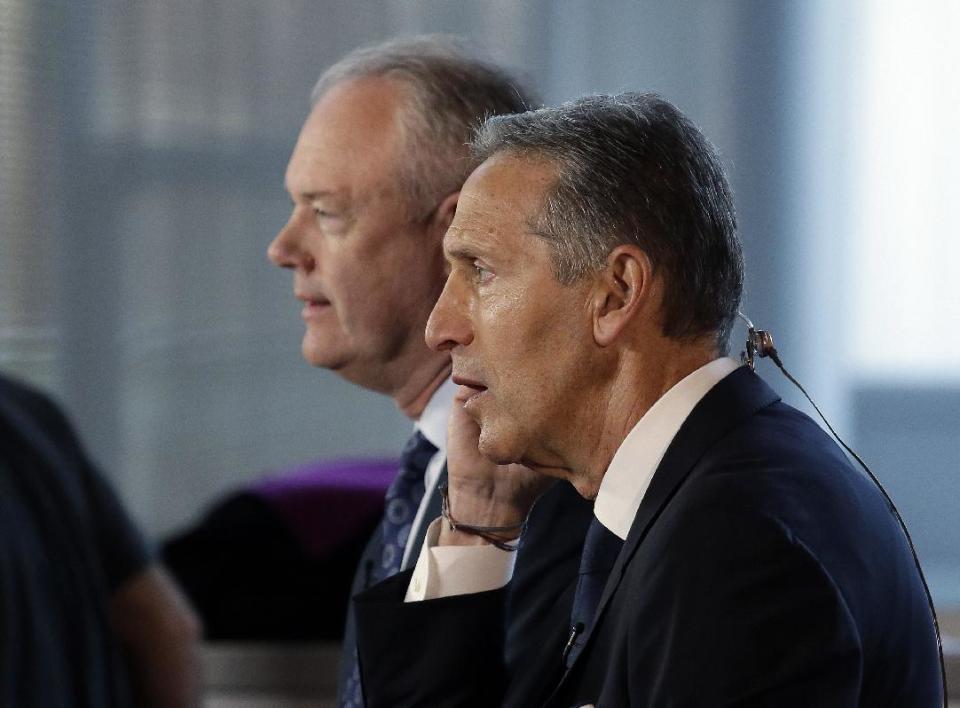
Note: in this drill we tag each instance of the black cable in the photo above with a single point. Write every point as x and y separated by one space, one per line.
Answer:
772 353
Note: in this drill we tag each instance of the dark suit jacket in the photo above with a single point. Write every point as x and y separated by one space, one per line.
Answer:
761 570
537 601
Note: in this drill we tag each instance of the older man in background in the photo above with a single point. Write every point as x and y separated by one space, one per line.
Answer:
374 180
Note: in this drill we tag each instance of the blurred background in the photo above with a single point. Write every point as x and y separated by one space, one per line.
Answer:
142 150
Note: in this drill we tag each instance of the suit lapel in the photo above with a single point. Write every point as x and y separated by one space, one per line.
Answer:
723 408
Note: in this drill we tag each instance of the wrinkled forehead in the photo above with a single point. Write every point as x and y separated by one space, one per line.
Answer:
352 137
504 196
507 186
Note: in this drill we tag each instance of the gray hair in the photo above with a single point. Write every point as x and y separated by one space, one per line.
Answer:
452 92
633 169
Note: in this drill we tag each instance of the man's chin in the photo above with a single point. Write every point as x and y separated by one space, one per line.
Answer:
315 354
496 448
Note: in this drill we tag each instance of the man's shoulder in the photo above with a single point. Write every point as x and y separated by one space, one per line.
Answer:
775 443
780 475
743 448
24 398
32 415
778 458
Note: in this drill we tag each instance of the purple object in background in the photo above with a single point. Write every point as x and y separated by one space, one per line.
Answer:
325 503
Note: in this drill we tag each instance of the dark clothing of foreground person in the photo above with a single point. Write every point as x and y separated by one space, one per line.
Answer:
84 619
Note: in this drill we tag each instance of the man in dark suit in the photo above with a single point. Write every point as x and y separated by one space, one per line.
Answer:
735 557
374 180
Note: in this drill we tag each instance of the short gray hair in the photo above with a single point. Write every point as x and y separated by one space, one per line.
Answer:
633 169
452 91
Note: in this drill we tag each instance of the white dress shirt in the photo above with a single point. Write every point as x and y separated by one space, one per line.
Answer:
631 469
624 484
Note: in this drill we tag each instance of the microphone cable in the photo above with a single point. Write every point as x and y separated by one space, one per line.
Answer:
760 343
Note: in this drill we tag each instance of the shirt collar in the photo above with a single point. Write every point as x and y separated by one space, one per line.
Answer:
433 420
640 453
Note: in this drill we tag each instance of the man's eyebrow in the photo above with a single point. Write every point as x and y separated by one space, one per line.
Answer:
320 194
312 196
460 252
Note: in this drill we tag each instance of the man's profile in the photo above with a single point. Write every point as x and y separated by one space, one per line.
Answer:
734 556
374 181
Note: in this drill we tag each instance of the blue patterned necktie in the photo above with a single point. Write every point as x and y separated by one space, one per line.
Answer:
600 551
402 501
400 508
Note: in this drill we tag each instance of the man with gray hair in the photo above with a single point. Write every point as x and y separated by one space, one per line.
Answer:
734 557
374 180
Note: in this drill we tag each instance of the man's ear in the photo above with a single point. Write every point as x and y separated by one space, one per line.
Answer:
623 289
440 221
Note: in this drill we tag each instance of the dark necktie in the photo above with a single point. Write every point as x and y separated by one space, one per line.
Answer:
400 508
402 501
600 550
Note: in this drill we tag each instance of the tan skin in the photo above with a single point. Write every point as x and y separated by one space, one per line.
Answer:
366 269
160 638
554 376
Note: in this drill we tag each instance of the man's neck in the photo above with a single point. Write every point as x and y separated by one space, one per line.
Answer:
641 382
414 396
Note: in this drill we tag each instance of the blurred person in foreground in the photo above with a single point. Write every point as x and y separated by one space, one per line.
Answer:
87 618
374 179
735 557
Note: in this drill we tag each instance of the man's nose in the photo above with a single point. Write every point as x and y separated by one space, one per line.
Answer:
287 249
449 324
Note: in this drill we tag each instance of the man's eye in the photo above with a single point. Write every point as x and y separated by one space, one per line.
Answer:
323 214
481 273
